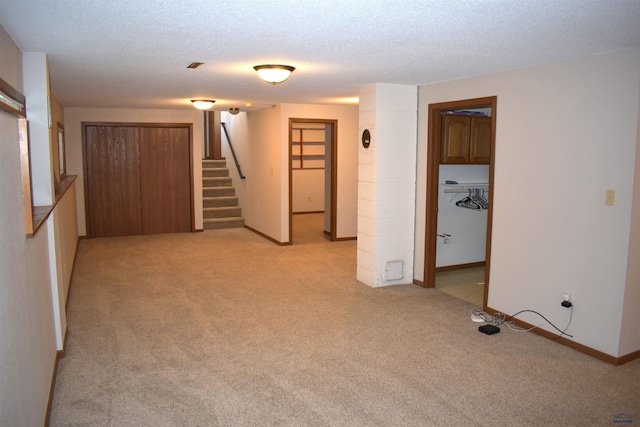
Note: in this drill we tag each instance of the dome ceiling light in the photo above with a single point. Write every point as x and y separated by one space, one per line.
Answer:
203 104
273 73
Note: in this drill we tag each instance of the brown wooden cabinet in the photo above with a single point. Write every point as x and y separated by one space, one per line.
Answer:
465 139
137 179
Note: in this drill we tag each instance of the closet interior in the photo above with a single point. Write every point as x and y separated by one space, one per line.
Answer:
312 178
463 203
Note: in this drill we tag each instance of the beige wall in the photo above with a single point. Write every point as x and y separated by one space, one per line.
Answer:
630 336
264 171
566 132
11 64
308 190
67 225
347 197
74 117
261 141
27 338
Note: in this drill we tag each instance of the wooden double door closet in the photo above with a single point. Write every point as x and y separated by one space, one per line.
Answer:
138 179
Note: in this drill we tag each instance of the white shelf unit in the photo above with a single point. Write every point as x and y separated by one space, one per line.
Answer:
308 146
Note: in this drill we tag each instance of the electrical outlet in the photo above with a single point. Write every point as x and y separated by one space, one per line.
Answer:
566 299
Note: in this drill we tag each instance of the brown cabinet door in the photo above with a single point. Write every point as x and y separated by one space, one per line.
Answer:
165 179
113 181
455 141
480 147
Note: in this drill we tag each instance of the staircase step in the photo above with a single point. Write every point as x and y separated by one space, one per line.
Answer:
217 181
208 164
218 223
221 212
217 202
214 172
218 191
220 204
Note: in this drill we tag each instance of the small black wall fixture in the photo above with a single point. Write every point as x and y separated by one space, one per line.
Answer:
366 138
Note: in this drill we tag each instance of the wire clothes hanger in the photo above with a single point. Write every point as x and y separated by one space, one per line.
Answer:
475 200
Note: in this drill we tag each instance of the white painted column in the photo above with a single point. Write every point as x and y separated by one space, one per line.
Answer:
386 185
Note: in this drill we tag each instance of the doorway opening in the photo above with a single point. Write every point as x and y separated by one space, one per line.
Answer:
313 172
460 178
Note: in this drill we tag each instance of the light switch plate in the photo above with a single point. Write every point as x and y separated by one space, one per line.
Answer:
610 198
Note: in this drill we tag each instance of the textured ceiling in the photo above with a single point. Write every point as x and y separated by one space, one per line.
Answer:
133 53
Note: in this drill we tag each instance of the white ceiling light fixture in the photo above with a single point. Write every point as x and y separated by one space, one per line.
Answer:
234 110
203 104
273 73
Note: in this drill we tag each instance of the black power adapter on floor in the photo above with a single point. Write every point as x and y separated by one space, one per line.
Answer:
489 329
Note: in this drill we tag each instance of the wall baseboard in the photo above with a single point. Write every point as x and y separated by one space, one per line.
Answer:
460 266
73 269
271 239
59 355
628 358
344 239
616 361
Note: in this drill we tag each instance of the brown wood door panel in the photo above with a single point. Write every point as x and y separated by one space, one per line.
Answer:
455 143
165 179
113 181
480 149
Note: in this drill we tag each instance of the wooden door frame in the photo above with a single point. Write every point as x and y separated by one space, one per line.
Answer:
334 174
129 124
433 172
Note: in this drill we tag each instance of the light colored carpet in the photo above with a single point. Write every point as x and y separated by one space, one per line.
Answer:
224 328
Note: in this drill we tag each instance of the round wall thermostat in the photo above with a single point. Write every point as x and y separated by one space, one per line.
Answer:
366 138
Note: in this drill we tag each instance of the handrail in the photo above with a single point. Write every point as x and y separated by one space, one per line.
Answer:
233 153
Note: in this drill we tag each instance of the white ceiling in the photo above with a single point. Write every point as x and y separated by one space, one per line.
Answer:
134 53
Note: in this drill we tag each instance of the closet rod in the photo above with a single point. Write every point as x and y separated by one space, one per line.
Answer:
465 190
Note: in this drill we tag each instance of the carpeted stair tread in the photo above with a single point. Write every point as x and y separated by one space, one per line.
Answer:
218 223
212 202
220 204
221 212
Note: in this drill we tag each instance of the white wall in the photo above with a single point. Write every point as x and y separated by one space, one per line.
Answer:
263 169
347 146
630 336
36 92
308 184
308 190
238 129
261 141
28 345
566 132
74 117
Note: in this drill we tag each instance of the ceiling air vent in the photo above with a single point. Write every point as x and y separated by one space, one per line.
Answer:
195 65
